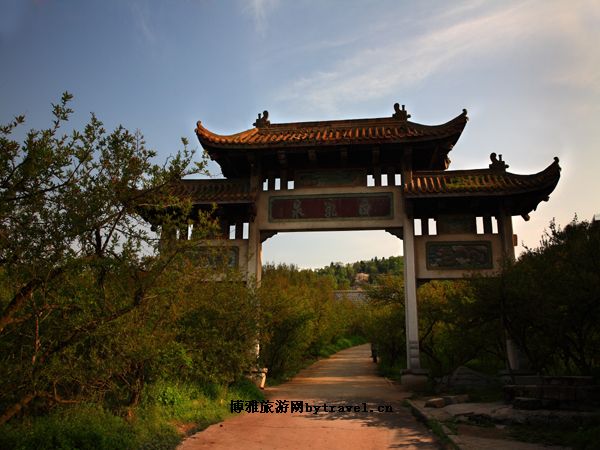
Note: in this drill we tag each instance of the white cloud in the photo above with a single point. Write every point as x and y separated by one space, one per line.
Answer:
580 27
259 10
141 17
450 43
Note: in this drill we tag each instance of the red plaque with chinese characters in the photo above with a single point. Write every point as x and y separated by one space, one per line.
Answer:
331 207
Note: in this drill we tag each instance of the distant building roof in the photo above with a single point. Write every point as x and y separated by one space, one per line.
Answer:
361 277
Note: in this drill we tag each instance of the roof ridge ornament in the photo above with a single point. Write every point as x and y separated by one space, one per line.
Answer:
262 121
401 114
497 163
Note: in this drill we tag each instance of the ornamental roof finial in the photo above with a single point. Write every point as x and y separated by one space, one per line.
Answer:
401 114
262 121
498 163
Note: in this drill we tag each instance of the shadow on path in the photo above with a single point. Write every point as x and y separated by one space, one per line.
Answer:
347 378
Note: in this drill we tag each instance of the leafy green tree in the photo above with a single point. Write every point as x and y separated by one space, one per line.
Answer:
299 317
77 263
456 328
550 300
386 325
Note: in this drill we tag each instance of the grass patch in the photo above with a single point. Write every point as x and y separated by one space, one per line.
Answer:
391 371
451 425
437 429
83 427
435 426
166 414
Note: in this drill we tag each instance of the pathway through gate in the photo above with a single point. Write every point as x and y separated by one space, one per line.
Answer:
347 378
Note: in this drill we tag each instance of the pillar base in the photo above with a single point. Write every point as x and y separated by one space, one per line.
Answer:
258 377
415 379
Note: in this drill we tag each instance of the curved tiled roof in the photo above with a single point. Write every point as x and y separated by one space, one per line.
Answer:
214 191
357 131
480 182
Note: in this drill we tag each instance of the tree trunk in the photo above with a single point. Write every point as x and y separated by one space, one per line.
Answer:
11 411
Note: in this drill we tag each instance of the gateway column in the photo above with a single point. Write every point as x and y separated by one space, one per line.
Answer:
254 253
414 376
413 360
515 359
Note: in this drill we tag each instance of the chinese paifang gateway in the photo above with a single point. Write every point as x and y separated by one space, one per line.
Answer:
313 176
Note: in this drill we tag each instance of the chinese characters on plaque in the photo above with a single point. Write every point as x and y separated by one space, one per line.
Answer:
331 207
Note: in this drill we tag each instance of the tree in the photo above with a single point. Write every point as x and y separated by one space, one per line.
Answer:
76 260
456 328
386 325
299 317
551 300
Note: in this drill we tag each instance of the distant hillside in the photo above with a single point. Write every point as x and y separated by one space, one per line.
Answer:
345 274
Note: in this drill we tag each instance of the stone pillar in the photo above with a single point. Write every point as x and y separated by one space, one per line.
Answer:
254 253
425 226
239 230
413 360
505 229
377 176
254 268
487 225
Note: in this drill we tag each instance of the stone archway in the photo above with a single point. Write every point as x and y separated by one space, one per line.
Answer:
314 176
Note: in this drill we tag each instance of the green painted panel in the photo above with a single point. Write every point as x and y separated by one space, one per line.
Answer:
459 255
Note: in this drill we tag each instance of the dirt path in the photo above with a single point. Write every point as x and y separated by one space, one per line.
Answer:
347 378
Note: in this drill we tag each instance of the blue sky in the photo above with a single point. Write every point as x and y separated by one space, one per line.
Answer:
527 71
